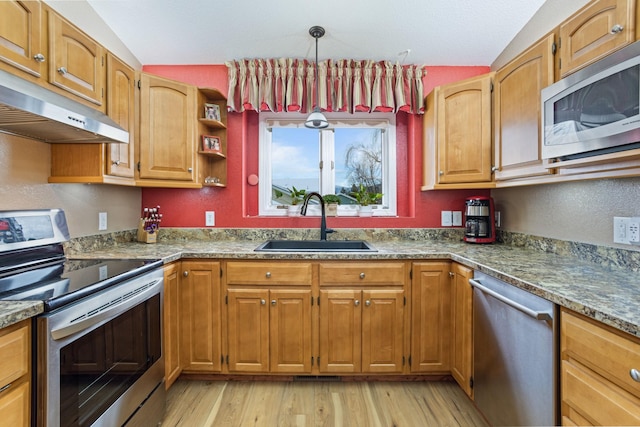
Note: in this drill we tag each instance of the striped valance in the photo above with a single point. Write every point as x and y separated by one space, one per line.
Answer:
285 84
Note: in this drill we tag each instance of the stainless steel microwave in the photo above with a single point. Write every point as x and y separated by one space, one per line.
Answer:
594 110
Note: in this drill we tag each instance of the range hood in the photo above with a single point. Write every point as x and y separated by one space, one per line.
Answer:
29 110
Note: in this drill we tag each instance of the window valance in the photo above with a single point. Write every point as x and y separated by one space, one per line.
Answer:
286 84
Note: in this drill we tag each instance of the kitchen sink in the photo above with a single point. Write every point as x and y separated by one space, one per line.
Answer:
315 246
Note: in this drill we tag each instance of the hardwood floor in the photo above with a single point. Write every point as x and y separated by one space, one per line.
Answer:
319 403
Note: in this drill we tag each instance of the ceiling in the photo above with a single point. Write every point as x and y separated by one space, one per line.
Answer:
422 32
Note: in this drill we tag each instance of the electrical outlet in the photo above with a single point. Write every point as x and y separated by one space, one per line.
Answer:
633 230
446 219
620 225
102 221
457 218
209 218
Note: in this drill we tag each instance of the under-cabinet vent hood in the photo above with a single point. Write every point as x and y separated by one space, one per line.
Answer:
29 110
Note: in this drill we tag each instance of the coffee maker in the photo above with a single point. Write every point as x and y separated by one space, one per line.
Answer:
480 225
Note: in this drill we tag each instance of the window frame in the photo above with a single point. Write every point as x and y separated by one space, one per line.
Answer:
386 121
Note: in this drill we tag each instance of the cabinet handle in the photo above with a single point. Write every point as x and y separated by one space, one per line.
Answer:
273 302
356 302
185 273
616 29
494 168
635 374
62 70
5 387
362 275
262 302
367 303
268 275
38 57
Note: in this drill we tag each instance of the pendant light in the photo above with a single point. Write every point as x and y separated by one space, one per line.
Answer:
316 119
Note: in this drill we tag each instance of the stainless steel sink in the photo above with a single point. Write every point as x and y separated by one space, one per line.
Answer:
315 246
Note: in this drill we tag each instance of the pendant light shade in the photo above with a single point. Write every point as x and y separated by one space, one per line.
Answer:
316 119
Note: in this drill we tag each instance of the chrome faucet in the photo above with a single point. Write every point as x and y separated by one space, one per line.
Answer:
323 222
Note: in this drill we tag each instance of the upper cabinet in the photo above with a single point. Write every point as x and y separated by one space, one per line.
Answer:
593 32
22 50
517 140
457 135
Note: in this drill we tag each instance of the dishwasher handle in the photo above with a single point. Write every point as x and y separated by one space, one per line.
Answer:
538 315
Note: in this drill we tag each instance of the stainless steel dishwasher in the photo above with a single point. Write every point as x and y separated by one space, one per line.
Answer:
515 338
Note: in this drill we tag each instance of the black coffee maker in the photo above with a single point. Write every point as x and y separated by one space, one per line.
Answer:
480 225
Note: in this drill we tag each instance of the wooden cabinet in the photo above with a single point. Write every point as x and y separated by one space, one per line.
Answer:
76 62
103 163
212 129
517 142
269 317
171 324
595 31
462 326
431 317
600 379
167 155
457 135
362 317
15 374
22 48
200 322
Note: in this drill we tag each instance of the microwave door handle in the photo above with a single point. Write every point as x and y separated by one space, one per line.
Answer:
105 312
538 315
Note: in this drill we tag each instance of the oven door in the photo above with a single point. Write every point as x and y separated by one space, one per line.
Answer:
100 358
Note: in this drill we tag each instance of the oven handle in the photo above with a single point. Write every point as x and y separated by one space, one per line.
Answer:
95 316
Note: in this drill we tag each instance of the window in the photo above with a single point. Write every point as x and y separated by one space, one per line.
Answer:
354 150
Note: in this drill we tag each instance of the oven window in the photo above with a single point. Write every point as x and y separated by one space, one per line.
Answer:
99 367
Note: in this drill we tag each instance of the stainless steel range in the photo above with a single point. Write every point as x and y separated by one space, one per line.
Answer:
98 345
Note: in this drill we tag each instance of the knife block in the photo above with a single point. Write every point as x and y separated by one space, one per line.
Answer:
145 236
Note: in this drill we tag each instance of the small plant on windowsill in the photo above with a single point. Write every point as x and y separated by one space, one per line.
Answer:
365 198
296 198
331 202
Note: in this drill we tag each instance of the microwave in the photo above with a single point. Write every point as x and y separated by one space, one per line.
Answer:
594 110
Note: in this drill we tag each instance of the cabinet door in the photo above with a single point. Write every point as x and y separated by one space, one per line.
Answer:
121 108
290 331
15 405
382 330
431 317
461 326
21 45
76 61
340 331
464 131
171 331
200 316
518 149
248 330
595 31
167 122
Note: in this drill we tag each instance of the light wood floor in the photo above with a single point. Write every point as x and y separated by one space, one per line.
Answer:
319 403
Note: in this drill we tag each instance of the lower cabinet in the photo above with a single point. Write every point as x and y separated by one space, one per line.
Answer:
171 324
600 373
462 326
15 374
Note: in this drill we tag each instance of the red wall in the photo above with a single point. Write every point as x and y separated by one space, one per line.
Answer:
237 204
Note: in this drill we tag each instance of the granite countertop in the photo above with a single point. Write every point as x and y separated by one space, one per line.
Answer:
608 294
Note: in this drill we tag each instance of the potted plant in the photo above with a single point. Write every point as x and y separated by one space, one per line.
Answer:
331 202
296 198
365 198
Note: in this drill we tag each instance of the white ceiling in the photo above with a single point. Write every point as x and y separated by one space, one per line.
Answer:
423 32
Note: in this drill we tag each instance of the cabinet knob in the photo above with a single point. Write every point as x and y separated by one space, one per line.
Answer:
268 275
494 168
451 274
367 303
262 302
190 170
185 273
635 374
116 163
362 275
38 57
273 302
616 29
62 70
356 302
440 173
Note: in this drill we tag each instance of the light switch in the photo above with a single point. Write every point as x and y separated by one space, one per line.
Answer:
446 219
209 218
457 218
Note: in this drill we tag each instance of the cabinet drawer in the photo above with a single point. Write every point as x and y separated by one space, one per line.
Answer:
605 351
378 273
273 273
14 353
